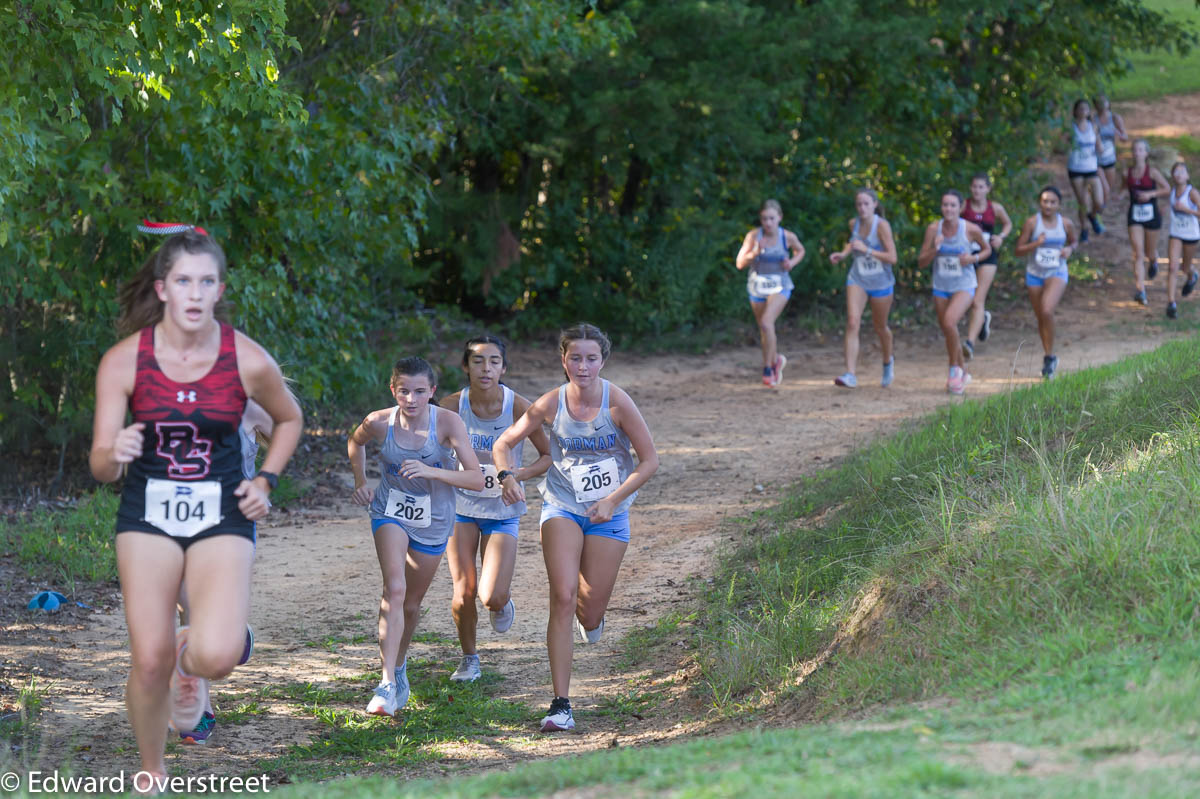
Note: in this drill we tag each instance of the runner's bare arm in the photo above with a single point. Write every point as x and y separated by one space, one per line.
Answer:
627 417
888 254
453 431
114 444
795 248
539 439
1024 245
264 384
372 428
928 246
1006 223
541 411
842 254
748 252
975 234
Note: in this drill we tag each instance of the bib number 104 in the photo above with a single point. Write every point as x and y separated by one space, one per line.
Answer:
183 509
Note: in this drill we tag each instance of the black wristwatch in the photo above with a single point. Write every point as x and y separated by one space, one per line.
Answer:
271 478
503 473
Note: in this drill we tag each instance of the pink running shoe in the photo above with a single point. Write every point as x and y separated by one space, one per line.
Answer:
189 694
957 382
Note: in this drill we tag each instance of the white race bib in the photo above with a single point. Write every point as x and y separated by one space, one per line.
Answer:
595 481
868 264
1048 257
182 509
1142 212
491 484
413 510
1184 226
766 285
948 265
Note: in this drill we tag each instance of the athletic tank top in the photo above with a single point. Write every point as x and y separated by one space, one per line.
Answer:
424 508
867 270
249 452
1144 183
767 275
487 504
1108 140
949 275
191 461
1047 259
985 219
1184 226
1082 157
590 460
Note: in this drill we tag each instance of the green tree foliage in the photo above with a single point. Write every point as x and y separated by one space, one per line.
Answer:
618 188
295 139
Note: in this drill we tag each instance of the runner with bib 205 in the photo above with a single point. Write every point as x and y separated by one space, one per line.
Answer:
595 431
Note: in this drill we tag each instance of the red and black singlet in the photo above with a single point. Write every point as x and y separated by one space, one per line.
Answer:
1144 183
191 432
985 219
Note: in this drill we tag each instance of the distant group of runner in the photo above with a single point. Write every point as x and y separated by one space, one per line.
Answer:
963 245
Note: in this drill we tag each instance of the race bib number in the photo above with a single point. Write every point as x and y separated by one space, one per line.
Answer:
1143 212
948 265
411 509
766 285
1184 226
595 481
491 484
868 265
182 509
1048 257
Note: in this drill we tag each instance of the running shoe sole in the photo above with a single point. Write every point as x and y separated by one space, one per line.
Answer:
777 369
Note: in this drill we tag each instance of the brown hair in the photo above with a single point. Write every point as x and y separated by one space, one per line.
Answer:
140 305
584 332
773 205
1175 166
414 366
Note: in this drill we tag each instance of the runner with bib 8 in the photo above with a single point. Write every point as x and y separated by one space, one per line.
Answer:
487 522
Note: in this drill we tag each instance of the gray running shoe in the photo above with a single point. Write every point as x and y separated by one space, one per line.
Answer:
502 619
468 669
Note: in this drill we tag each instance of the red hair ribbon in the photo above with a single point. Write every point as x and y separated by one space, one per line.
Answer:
168 228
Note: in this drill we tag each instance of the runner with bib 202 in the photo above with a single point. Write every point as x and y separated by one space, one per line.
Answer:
412 508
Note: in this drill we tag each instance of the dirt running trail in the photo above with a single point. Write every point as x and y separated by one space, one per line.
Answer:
727 444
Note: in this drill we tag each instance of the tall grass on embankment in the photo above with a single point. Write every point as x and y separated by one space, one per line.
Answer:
1020 532
1031 561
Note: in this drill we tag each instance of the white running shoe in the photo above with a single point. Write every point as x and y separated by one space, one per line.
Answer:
468 669
956 383
189 695
502 619
777 368
403 690
847 380
383 703
889 373
560 718
590 636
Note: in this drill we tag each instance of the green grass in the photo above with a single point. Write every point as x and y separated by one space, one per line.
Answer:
1157 73
439 713
66 547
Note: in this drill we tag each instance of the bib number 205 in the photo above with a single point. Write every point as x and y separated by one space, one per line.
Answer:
182 509
595 481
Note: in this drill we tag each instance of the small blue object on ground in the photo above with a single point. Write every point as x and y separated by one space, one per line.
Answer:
47 600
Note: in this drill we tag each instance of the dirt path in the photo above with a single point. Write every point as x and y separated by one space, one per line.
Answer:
317 577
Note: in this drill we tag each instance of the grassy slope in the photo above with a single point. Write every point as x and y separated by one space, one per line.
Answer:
1039 558
1157 73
